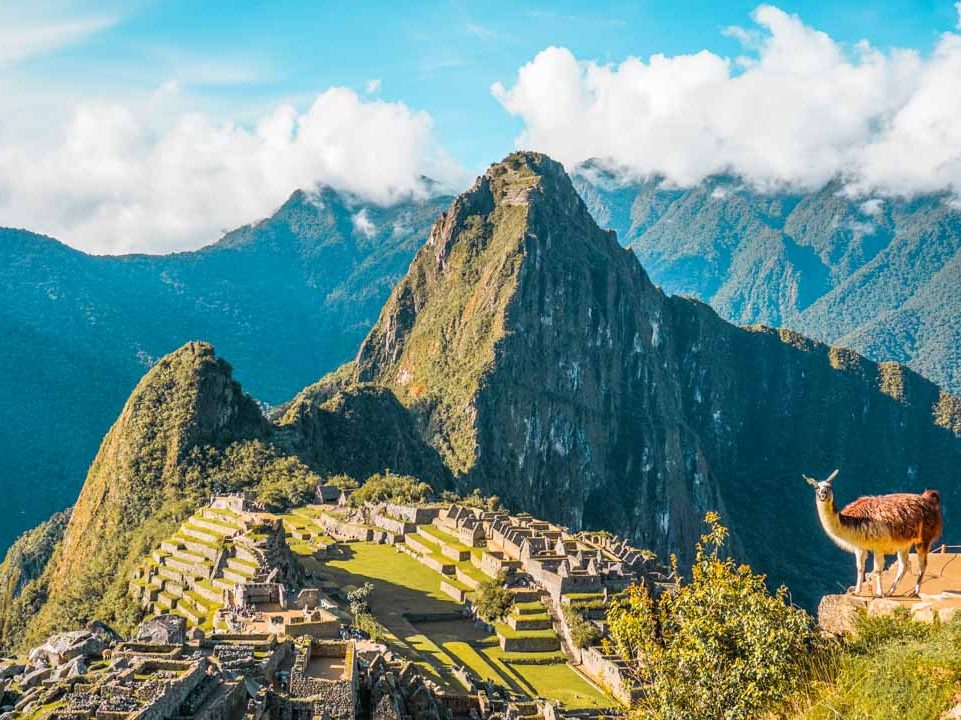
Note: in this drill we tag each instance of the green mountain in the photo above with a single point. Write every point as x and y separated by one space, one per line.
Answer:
287 299
525 353
878 275
189 430
546 368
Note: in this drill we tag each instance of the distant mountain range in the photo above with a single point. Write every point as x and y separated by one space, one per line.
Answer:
528 354
878 275
288 299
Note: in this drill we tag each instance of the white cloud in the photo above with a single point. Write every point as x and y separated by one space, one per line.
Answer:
373 86
138 178
798 108
363 224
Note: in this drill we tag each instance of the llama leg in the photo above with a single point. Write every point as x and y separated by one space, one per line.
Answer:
902 568
922 566
860 559
878 569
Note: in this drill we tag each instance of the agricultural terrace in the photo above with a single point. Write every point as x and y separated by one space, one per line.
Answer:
406 588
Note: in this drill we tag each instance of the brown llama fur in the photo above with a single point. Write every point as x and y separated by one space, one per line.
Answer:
882 525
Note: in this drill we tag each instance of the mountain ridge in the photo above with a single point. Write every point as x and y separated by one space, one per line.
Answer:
594 399
871 273
527 354
287 298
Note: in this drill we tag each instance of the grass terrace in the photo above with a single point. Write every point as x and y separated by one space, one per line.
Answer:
405 591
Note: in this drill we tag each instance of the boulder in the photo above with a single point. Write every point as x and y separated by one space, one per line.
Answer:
107 634
163 629
64 647
838 614
74 668
34 677
37 658
8 671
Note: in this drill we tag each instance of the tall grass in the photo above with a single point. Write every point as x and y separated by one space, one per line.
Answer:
896 668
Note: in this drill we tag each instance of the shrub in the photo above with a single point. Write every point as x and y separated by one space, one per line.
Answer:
344 482
584 633
368 623
475 499
388 487
493 600
718 646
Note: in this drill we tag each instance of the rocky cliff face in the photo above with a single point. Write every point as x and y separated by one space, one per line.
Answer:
545 367
24 564
359 430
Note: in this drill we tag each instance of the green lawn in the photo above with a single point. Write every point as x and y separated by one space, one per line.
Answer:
402 585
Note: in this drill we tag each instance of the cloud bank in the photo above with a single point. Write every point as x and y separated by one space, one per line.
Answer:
798 108
124 178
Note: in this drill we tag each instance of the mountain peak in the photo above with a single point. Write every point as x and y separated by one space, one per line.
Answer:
187 403
545 368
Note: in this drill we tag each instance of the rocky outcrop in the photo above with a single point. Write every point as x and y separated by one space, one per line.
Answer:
138 486
360 430
546 368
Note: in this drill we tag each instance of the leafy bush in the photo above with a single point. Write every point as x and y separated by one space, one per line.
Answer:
475 499
494 601
388 487
718 646
584 633
344 482
368 623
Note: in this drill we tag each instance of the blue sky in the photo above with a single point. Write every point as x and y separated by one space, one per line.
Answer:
135 69
441 57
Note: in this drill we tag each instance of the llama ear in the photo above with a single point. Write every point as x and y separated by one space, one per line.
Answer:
831 477
810 481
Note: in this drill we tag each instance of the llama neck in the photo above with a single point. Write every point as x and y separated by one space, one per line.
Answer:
832 525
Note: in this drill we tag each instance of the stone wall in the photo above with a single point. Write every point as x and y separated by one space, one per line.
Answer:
392 525
418 515
175 691
227 706
453 591
610 672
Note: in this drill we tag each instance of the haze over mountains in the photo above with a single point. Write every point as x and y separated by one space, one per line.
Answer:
526 353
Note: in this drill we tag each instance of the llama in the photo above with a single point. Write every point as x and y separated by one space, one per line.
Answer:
882 525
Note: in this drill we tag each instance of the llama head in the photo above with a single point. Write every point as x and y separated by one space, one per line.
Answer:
822 488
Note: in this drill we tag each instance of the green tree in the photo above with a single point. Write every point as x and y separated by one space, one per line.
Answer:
389 487
344 482
584 633
719 646
494 601
359 599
